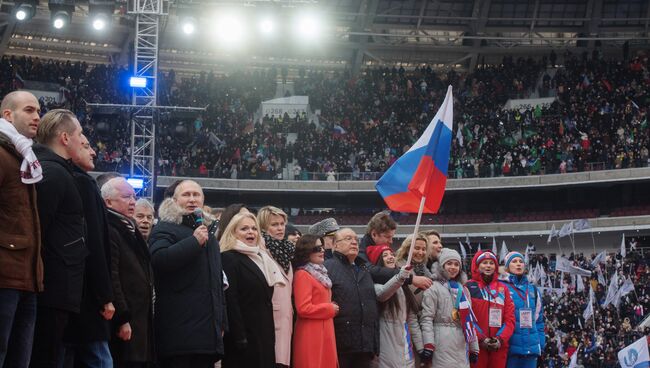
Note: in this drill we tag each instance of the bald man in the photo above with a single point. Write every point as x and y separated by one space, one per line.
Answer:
21 268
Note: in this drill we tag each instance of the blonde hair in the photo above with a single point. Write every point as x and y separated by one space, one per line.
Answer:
54 123
265 213
228 240
403 251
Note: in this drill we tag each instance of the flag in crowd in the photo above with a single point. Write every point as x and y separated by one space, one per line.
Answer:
504 252
635 355
422 170
589 311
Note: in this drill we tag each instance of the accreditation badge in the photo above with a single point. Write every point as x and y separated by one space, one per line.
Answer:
495 317
526 318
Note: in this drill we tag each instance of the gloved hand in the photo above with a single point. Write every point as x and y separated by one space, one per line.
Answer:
426 354
473 357
494 344
404 272
484 344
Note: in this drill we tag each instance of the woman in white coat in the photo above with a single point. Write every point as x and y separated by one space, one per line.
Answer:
398 321
446 309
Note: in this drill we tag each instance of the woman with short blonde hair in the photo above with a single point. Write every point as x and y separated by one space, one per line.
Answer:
273 223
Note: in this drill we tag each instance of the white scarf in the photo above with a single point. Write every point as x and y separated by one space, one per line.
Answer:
263 260
30 169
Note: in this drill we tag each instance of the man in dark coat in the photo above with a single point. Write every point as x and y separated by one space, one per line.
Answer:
63 234
21 268
190 303
357 324
131 275
88 332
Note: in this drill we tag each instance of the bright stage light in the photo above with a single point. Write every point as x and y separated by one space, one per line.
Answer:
188 28
308 27
188 24
138 82
24 11
60 19
21 14
267 27
230 30
100 22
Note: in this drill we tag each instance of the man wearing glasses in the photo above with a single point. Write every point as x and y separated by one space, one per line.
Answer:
357 340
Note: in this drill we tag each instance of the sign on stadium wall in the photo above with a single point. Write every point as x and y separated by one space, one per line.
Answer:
528 103
294 105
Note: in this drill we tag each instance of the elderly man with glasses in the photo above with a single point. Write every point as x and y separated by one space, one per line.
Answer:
357 338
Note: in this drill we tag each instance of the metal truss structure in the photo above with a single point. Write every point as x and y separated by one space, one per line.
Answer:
144 109
143 120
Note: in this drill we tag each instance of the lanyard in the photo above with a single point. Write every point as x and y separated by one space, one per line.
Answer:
516 289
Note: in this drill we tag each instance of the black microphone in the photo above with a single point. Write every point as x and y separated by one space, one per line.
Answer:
198 217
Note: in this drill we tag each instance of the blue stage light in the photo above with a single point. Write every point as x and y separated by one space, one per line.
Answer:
138 82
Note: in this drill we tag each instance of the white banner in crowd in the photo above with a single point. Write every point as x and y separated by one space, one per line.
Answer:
294 105
635 355
567 266
528 103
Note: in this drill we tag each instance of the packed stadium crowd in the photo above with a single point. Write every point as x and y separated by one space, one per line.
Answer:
89 278
598 120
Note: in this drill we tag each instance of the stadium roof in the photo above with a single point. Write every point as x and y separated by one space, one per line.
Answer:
359 32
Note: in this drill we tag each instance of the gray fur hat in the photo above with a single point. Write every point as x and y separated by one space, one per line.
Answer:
323 227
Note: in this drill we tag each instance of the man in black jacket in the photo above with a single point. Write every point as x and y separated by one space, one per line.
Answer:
132 279
356 325
63 234
88 332
190 301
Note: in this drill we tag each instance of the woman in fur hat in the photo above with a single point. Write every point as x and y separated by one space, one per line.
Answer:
446 307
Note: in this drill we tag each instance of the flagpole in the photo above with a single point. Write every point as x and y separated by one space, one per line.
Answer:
559 246
415 231
593 241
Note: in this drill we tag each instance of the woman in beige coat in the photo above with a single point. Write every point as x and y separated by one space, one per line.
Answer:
273 223
443 307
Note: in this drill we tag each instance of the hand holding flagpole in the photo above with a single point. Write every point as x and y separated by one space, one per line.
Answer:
415 232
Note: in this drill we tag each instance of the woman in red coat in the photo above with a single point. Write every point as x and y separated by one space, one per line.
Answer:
494 311
314 344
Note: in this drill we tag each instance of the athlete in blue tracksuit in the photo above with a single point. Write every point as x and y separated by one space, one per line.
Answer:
527 342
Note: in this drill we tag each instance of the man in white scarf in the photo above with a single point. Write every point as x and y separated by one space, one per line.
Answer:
19 123
21 268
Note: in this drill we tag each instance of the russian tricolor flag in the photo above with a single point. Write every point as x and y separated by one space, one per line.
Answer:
422 171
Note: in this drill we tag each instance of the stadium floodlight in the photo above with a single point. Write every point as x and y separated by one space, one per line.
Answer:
267 27
61 12
60 19
230 30
308 27
25 12
100 21
138 82
188 25
101 12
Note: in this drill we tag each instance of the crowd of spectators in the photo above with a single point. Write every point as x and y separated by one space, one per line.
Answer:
598 121
598 339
